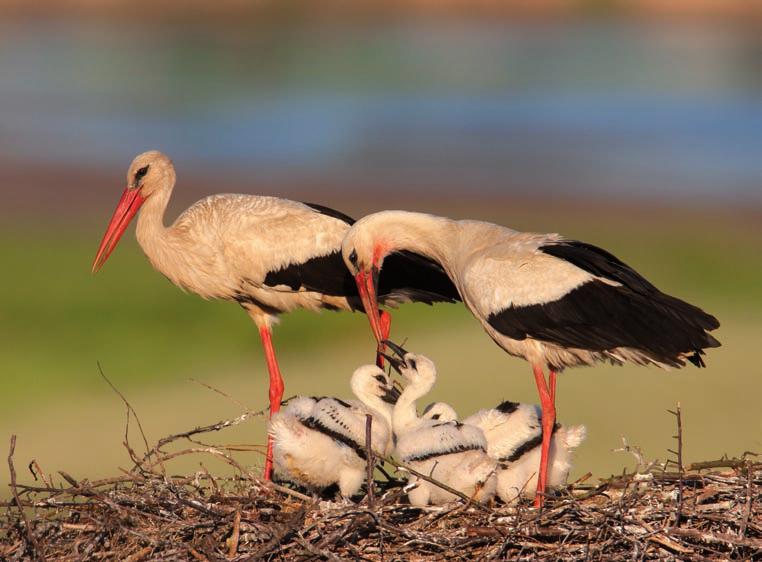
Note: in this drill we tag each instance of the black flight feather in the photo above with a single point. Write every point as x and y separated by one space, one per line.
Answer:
331 213
598 316
405 274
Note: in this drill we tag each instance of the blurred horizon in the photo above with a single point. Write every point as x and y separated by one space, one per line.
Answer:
606 109
635 125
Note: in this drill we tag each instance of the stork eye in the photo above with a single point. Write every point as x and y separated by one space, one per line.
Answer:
140 174
380 378
412 364
353 257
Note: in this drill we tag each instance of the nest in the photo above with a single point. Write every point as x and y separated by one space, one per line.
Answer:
705 511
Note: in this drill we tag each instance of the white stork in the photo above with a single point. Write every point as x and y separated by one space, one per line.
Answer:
445 449
439 411
267 254
321 441
514 437
555 302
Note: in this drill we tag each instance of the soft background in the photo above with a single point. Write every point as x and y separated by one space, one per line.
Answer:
636 126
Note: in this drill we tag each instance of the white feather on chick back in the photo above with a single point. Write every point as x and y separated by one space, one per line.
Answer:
321 441
514 434
449 452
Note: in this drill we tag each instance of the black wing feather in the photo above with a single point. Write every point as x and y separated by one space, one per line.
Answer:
405 274
417 278
598 316
323 210
323 274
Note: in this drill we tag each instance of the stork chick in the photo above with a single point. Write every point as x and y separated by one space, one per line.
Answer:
448 451
514 438
440 411
321 441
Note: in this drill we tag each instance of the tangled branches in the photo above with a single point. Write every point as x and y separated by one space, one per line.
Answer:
705 511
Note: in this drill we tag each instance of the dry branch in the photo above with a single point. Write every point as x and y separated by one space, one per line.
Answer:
150 515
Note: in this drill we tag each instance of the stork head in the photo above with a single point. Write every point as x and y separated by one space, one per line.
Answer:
440 411
418 370
364 252
370 383
372 239
149 173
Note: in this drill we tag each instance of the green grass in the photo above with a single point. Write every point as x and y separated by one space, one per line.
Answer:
57 320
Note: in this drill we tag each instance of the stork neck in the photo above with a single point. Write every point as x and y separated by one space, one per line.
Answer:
151 233
405 415
424 234
379 407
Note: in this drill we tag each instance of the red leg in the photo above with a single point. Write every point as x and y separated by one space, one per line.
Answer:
386 323
548 421
276 390
552 382
386 328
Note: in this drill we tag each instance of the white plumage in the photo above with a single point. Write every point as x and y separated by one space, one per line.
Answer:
321 441
514 435
448 451
439 411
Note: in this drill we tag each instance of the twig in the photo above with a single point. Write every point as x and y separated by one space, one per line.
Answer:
437 483
238 403
285 530
29 535
749 500
36 470
139 555
197 555
391 479
287 491
220 425
127 427
722 463
315 551
370 461
679 453
234 537
717 538
209 450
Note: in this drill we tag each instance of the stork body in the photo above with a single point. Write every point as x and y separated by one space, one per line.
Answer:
321 441
436 444
555 302
513 433
269 255
514 438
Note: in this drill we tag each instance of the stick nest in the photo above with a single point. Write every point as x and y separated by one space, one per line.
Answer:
705 511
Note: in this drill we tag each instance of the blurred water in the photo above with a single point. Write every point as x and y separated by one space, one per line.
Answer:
609 108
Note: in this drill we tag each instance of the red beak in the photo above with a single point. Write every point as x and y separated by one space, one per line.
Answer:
128 205
366 286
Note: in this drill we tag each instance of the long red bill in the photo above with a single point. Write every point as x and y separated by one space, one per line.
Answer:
367 289
128 205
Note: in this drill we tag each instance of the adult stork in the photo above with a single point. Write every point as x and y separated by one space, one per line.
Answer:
269 255
555 302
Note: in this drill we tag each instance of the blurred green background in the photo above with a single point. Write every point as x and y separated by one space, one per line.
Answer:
632 129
